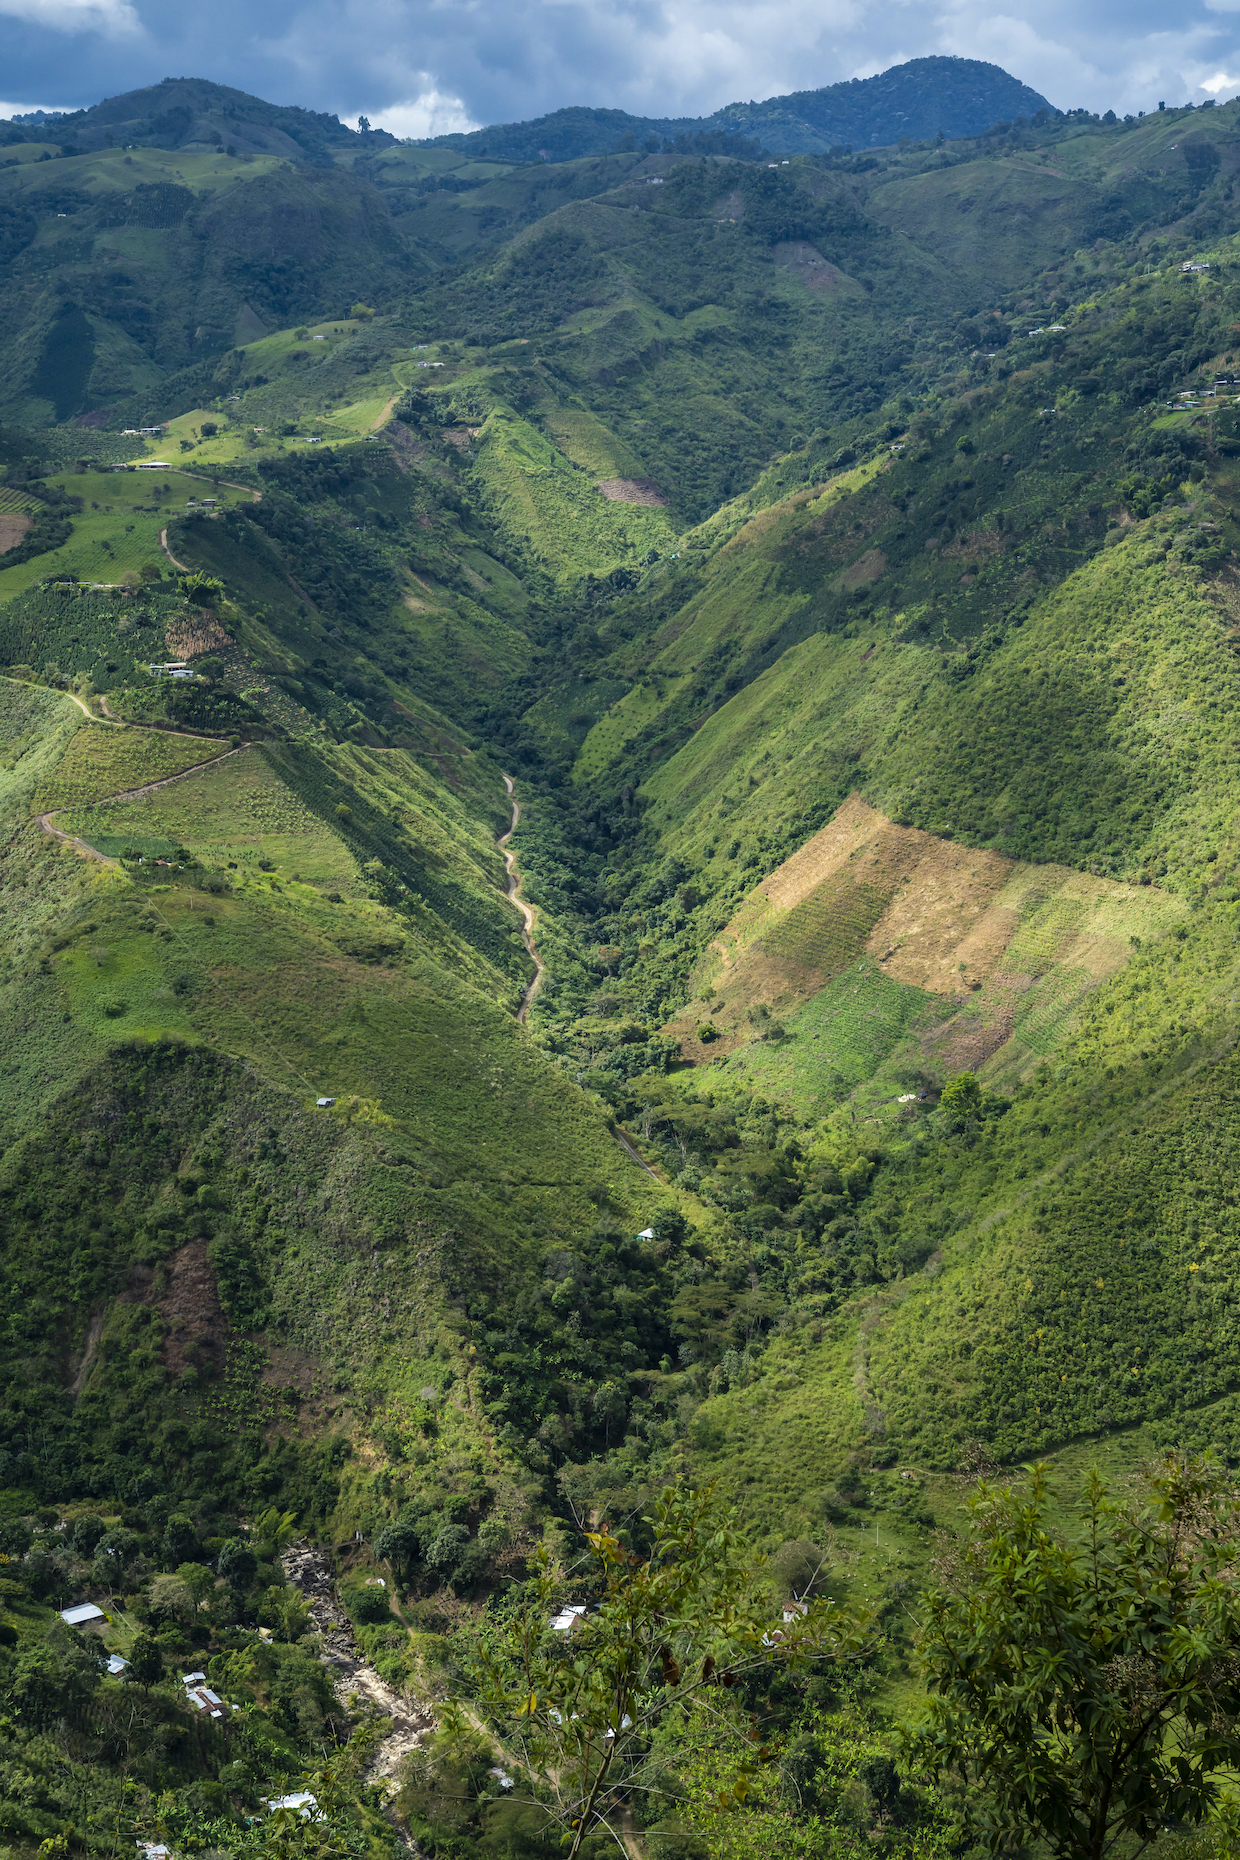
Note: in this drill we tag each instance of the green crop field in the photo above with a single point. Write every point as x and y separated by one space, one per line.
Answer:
102 761
843 1038
117 528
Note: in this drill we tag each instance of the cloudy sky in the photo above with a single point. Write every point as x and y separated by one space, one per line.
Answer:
434 65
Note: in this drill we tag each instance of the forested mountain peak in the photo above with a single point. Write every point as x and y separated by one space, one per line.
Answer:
924 97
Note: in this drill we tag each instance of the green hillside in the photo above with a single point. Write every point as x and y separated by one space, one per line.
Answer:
848 599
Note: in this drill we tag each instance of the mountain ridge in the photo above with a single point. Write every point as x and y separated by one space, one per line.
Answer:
921 99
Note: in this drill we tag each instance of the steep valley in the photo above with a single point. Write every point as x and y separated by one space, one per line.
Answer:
835 558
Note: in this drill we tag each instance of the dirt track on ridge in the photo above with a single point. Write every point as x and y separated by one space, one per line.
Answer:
125 794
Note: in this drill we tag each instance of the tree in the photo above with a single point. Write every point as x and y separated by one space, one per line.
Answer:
146 1662
204 589
171 1599
88 1532
1084 1683
577 1712
238 1564
962 1096
180 1543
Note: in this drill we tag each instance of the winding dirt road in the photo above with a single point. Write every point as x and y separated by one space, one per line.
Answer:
528 913
126 794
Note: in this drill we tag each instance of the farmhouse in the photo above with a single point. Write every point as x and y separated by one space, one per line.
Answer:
84 1615
176 668
203 1699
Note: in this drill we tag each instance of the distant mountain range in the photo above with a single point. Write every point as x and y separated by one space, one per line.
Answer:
921 99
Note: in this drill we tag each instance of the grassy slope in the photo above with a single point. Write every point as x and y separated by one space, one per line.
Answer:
478 1145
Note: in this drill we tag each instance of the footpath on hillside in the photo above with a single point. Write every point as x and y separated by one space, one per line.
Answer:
528 913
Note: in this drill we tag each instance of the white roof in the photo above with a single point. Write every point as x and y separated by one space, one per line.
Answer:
85 1611
647 1233
567 1617
116 1664
193 1679
302 1800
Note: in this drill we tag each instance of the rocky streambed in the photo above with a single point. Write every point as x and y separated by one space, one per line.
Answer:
308 1569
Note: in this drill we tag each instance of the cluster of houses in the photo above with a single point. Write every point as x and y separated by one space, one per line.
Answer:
199 1694
203 1698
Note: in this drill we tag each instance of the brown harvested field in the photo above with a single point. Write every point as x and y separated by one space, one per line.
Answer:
972 928
190 635
632 491
13 526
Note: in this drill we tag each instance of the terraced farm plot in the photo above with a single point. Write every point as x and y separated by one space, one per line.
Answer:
827 930
16 516
237 812
840 1039
103 760
1023 943
1045 1011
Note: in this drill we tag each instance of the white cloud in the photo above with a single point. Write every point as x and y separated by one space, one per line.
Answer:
9 110
112 17
430 114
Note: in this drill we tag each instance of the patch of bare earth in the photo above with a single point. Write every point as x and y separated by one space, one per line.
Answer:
807 263
405 444
94 1331
864 570
632 491
196 1329
971 927
13 526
